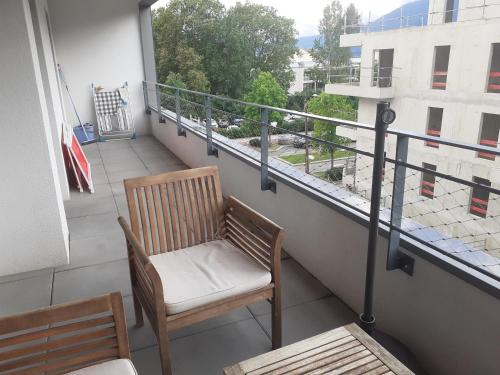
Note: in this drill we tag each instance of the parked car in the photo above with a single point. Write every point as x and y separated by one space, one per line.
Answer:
299 142
224 123
214 124
233 127
237 121
290 118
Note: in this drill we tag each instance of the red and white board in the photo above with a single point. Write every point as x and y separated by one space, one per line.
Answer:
78 164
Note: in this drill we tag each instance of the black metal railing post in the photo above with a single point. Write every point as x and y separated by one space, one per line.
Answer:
385 116
265 182
146 97
395 258
180 130
161 120
211 150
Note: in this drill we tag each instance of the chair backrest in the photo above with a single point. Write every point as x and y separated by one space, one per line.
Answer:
175 210
64 338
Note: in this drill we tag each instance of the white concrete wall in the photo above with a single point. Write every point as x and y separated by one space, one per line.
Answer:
99 41
52 89
451 326
33 228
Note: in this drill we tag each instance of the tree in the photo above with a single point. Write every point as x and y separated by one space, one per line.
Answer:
330 106
266 90
297 101
182 30
352 20
250 39
326 50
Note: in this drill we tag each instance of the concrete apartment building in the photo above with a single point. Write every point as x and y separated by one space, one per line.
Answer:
442 79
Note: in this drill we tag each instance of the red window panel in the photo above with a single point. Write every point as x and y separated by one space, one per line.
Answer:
434 133
478 207
494 82
439 80
427 189
487 155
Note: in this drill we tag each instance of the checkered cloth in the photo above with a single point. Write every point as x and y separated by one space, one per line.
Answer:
108 102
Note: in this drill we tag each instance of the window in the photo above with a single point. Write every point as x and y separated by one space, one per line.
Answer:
440 72
489 134
479 198
434 121
451 11
494 73
382 67
428 181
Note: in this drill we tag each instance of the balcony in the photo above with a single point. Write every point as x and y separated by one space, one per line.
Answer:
454 288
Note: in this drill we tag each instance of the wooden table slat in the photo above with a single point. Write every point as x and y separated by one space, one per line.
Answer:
346 350
303 359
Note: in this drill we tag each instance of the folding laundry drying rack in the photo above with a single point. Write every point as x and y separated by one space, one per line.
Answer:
114 118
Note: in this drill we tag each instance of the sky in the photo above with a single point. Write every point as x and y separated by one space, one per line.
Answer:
307 14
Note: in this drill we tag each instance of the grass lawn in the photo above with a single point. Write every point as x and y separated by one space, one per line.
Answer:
301 158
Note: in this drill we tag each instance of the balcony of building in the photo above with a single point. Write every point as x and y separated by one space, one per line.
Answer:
59 245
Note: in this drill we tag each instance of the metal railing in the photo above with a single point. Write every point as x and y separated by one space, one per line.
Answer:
274 140
485 11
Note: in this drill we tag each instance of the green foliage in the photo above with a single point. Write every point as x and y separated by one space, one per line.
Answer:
181 32
330 106
333 174
265 90
243 131
297 125
255 142
297 101
222 50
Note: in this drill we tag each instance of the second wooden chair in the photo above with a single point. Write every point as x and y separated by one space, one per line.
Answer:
193 258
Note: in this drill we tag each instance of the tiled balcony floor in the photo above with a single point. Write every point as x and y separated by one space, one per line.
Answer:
98 265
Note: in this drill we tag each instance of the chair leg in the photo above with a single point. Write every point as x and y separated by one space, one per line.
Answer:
139 319
163 346
276 319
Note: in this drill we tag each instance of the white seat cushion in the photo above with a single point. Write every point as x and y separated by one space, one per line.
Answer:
205 273
114 367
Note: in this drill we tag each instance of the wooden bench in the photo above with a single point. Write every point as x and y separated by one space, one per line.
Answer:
83 337
345 350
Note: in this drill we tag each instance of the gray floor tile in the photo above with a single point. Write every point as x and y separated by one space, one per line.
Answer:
231 317
95 250
165 169
312 318
208 352
85 204
113 145
99 175
121 203
299 286
24 295
117 156
117 188
26 275
92 281
92 226
130 173
139 338
125 165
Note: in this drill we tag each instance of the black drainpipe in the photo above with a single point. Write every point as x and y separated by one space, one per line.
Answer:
385 116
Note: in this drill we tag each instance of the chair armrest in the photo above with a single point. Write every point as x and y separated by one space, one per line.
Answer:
255 234
142 272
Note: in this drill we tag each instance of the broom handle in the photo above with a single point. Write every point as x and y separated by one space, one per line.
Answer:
71 99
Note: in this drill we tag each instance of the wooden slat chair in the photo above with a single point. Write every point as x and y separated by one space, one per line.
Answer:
79 338
191 258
